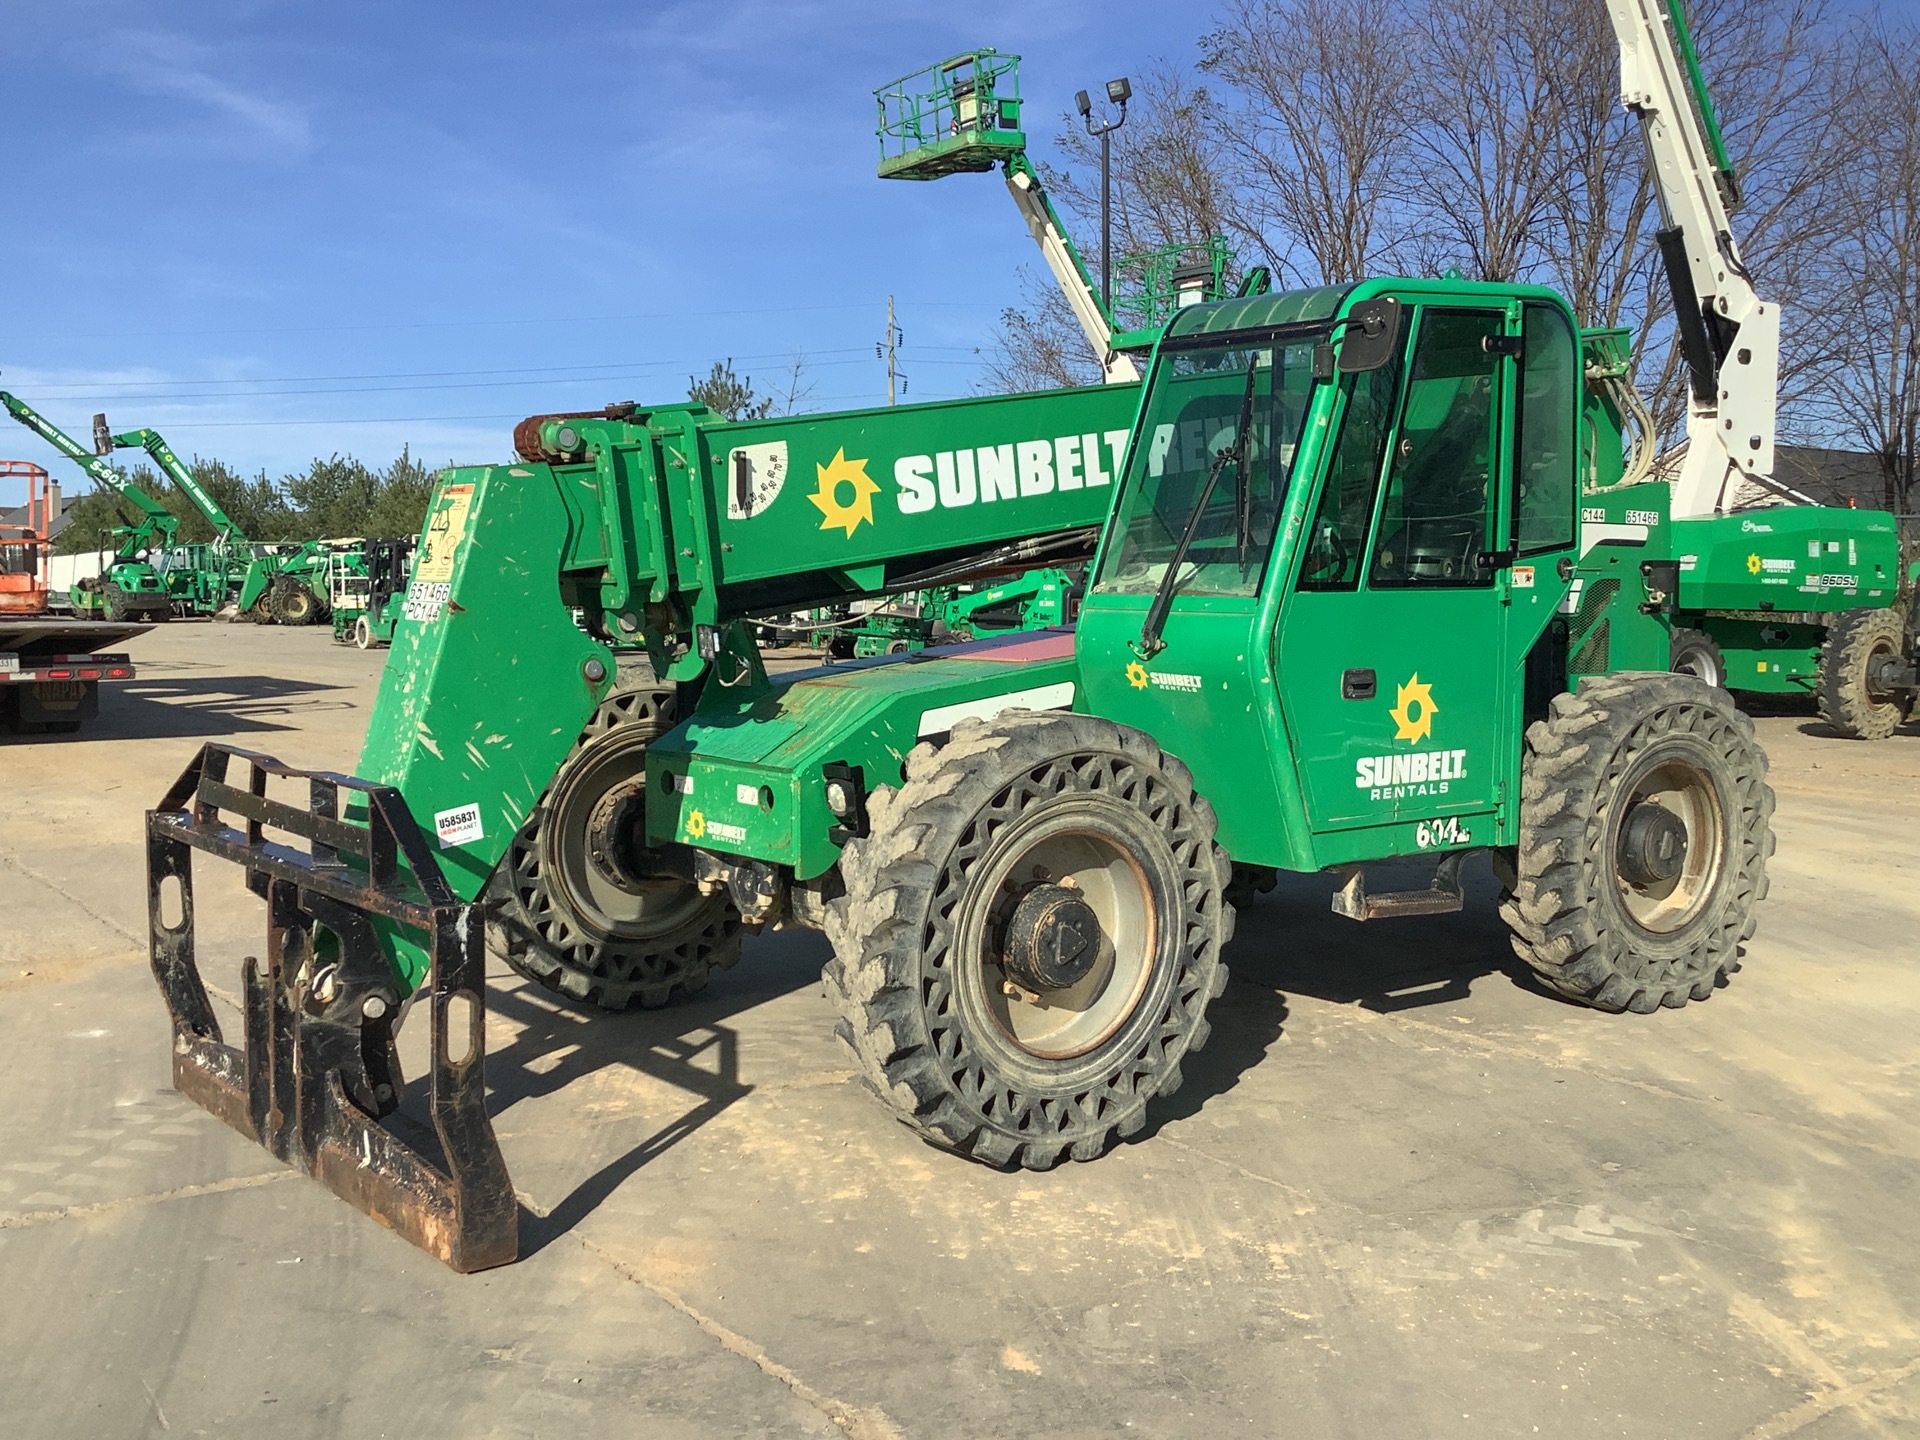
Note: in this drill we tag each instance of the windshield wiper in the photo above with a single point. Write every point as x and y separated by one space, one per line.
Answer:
1150 644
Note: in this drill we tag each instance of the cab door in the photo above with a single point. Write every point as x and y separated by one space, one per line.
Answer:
1393 660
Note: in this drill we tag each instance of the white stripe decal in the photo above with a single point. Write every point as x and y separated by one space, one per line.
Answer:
1042 697
1592 535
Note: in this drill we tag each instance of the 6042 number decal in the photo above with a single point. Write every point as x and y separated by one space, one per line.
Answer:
1430 833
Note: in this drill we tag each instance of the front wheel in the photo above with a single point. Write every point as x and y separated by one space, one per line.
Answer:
362 633
1645 827
571 910
1030 937
1858 644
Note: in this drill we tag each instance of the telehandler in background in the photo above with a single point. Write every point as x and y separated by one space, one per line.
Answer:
1375 576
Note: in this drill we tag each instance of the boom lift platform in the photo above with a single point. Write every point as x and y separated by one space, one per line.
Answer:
1364 588
964 116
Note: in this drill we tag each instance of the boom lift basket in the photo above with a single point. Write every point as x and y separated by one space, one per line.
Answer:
960 116
318 1073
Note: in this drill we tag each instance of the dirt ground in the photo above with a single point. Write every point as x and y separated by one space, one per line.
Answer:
1402 1193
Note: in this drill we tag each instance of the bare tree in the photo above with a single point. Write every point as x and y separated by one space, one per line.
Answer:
1040 345
1868 288
1319 141
794 390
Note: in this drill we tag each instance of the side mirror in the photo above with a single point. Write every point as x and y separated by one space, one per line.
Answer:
1371 337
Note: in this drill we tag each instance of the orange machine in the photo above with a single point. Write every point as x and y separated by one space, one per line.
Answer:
23 547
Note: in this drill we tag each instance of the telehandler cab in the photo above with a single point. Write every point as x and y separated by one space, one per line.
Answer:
1368 586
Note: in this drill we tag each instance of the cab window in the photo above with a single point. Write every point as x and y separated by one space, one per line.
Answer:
1336 544
1194 493
1546 453
1433 519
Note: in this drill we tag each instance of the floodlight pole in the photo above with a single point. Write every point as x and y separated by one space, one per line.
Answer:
1118 92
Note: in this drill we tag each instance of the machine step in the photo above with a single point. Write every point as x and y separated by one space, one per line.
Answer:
1442 897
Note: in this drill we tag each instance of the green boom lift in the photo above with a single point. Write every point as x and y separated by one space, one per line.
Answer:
1364 588
129 586
1775 598
201 578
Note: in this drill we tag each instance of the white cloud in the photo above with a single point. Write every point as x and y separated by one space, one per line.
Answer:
166 64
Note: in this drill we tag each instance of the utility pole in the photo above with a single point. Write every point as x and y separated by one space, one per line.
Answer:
889 350
1118 93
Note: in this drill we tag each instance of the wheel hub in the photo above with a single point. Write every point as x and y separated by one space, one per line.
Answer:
1653 845
1052 939
611 829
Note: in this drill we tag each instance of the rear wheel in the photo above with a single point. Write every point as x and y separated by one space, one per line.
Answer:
570 913
1030 937
293 603
362 633
1645 827
119 607
1696 653
1858 643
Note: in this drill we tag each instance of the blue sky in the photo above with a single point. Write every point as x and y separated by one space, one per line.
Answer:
275 231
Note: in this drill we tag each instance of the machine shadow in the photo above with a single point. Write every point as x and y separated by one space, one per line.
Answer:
688 1046
211 706
1291 942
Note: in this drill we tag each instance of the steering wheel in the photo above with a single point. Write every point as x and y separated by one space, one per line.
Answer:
1327 553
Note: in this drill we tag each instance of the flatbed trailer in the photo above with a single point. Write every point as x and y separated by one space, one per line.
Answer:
52 667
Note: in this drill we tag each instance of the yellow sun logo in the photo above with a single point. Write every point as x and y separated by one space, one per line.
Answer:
696 825
836 473
1137 675
1753 564
1414 726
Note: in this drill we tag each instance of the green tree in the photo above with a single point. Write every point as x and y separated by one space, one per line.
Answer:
729 394
335 497
401 506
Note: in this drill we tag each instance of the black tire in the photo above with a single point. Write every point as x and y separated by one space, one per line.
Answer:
923 955
1856 641
119 608
565 923
292 602
1610 769
1696 653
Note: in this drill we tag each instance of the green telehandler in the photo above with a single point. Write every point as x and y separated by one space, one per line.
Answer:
129 586
1365 587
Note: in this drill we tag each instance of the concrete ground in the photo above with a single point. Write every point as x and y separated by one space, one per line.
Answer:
1403 1192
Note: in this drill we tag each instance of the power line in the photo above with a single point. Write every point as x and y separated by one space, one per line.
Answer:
473 324
805 355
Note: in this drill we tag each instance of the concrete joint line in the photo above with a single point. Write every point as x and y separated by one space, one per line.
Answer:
857 1422
13 863
28 1219
1848 1396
